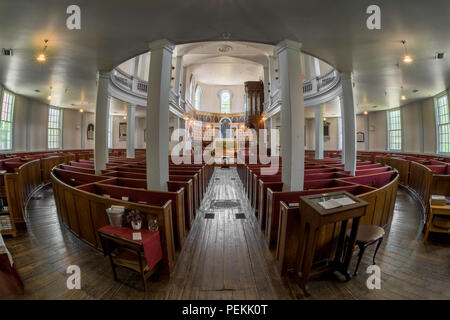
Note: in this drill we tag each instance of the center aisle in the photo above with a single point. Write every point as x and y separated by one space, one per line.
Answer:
225 256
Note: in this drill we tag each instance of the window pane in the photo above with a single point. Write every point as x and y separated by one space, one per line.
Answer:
6 121
443 124
225 102
54 128
394 130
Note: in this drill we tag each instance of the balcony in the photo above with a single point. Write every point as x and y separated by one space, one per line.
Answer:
316 91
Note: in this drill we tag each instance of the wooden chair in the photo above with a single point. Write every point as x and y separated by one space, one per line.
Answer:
367 235
127 254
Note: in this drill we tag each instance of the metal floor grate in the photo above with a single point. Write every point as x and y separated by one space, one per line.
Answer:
240 216
209 215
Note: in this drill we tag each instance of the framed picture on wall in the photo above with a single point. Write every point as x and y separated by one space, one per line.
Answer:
90 131
360 137
123 131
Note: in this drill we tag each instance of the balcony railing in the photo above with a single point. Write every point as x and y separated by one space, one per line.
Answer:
311 88
129 83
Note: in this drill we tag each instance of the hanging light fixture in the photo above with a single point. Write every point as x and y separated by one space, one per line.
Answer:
407 58
403 97
366 112
50 95
41 56
81 110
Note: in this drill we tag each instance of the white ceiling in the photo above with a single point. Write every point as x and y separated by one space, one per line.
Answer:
115 30
225 62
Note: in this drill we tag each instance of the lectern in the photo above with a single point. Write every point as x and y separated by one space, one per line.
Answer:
337 209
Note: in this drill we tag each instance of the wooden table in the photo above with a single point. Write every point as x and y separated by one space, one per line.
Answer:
436 211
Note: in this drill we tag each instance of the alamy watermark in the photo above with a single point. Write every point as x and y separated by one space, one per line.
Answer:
74 280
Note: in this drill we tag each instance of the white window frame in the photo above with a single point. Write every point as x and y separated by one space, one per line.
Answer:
389 129
443 126
58 127
9 118
220 100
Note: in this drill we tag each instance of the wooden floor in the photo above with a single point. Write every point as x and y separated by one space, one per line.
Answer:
225 258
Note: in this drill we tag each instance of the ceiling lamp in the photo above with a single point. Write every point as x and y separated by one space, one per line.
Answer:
324 119
50 95
81 110
125 118
407 58
42 57
403 98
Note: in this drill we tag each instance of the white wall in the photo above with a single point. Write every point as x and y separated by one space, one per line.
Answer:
330 143
210 98
138 133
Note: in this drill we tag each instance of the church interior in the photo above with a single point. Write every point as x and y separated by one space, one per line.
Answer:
224 150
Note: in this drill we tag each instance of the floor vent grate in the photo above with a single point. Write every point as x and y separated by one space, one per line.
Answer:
240 216
209 215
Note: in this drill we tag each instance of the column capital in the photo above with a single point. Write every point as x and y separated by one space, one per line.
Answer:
161 44
131 106
104 74
287 44
346 75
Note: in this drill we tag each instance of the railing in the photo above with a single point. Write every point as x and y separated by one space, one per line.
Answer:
128 83
311 88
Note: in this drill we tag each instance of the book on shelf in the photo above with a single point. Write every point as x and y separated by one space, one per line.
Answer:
439 200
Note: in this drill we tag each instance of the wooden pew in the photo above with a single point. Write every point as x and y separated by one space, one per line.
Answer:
84 213
154 198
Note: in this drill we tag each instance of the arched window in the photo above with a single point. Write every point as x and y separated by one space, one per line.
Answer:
198 93
225 101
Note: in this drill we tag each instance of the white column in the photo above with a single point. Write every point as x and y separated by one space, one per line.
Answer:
319 131
266 86
349 122
101 123
142 65
158 115
83 130
28 128
315 67
177 75
419 127
341 106
272 74
366 140
183 86
292 136
131 124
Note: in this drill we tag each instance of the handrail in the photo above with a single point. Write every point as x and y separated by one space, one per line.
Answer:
311 88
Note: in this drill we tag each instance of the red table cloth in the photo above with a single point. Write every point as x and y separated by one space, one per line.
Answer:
151 242
10 282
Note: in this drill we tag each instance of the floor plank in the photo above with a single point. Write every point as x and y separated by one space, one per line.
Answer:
225 258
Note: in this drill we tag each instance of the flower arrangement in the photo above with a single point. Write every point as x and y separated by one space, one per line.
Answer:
135 218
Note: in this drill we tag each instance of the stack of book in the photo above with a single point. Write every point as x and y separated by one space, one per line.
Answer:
437 200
